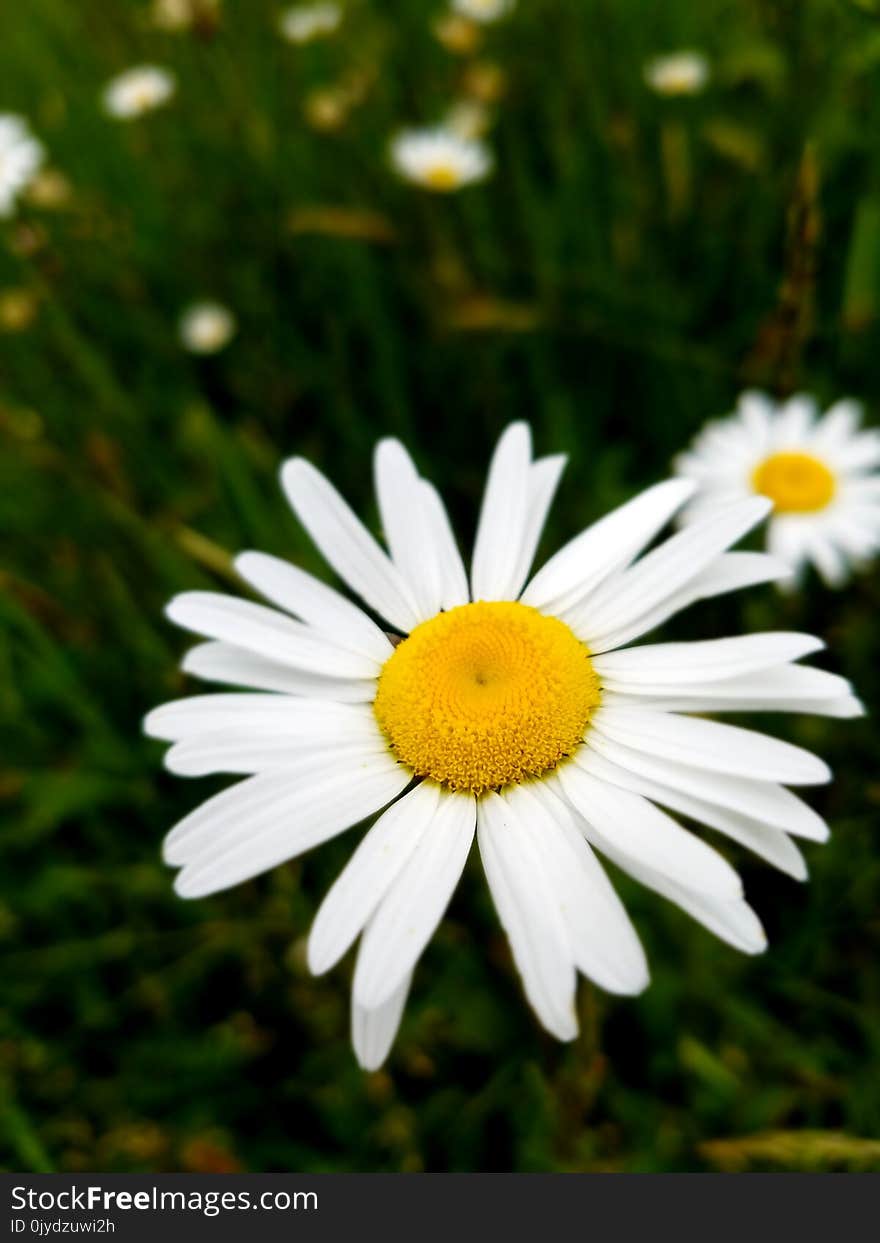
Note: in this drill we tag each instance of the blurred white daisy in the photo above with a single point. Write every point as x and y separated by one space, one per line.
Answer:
482 10
20 159
821 475
680 73
305 22
139 90
513 708
206 327
440 159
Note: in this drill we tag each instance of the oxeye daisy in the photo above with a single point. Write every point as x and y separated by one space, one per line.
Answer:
306 22
495 704
206 327
20 159
440 159
820 473
679 73
482 10
137 91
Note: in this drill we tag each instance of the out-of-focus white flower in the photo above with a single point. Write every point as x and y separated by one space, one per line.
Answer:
820 473
482 10
305 22
440 159
137 91
206 327
679 73
20 159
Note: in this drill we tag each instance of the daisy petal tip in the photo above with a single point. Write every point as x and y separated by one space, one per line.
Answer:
183 884
294 471
317 960
370 1060
244 561
181 764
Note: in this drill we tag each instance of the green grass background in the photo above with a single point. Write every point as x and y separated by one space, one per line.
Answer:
634 262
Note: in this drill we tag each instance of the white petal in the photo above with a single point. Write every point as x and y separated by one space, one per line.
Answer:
346 544
242 753
734 570
223 662
601 938
529 916
503 517
711 745
222 844
315 603
708 698
453 578
679 665
837 426
368 875
770 843
794 422
260 714
266 632
616 612
827 558
544 478
406 524
583 562
733 921
373 1031
628 824
414 905
763 800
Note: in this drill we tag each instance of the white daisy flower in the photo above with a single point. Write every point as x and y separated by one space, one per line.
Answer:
440 159
138 91
680 73
306 22
513 710
820 474
20 159
482 10
206 327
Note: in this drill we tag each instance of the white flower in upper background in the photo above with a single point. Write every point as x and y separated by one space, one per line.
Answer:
820 474
20 159
482 10
206 327
138 91
680 73
310 21
439 159
513 708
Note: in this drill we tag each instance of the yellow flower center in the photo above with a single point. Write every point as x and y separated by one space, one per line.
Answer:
441 177
794 482
486 695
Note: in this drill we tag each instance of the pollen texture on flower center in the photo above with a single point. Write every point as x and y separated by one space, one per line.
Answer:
486 695
794 482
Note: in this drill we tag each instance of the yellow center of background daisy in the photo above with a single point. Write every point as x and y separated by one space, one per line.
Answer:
442 177
794 482
486 695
